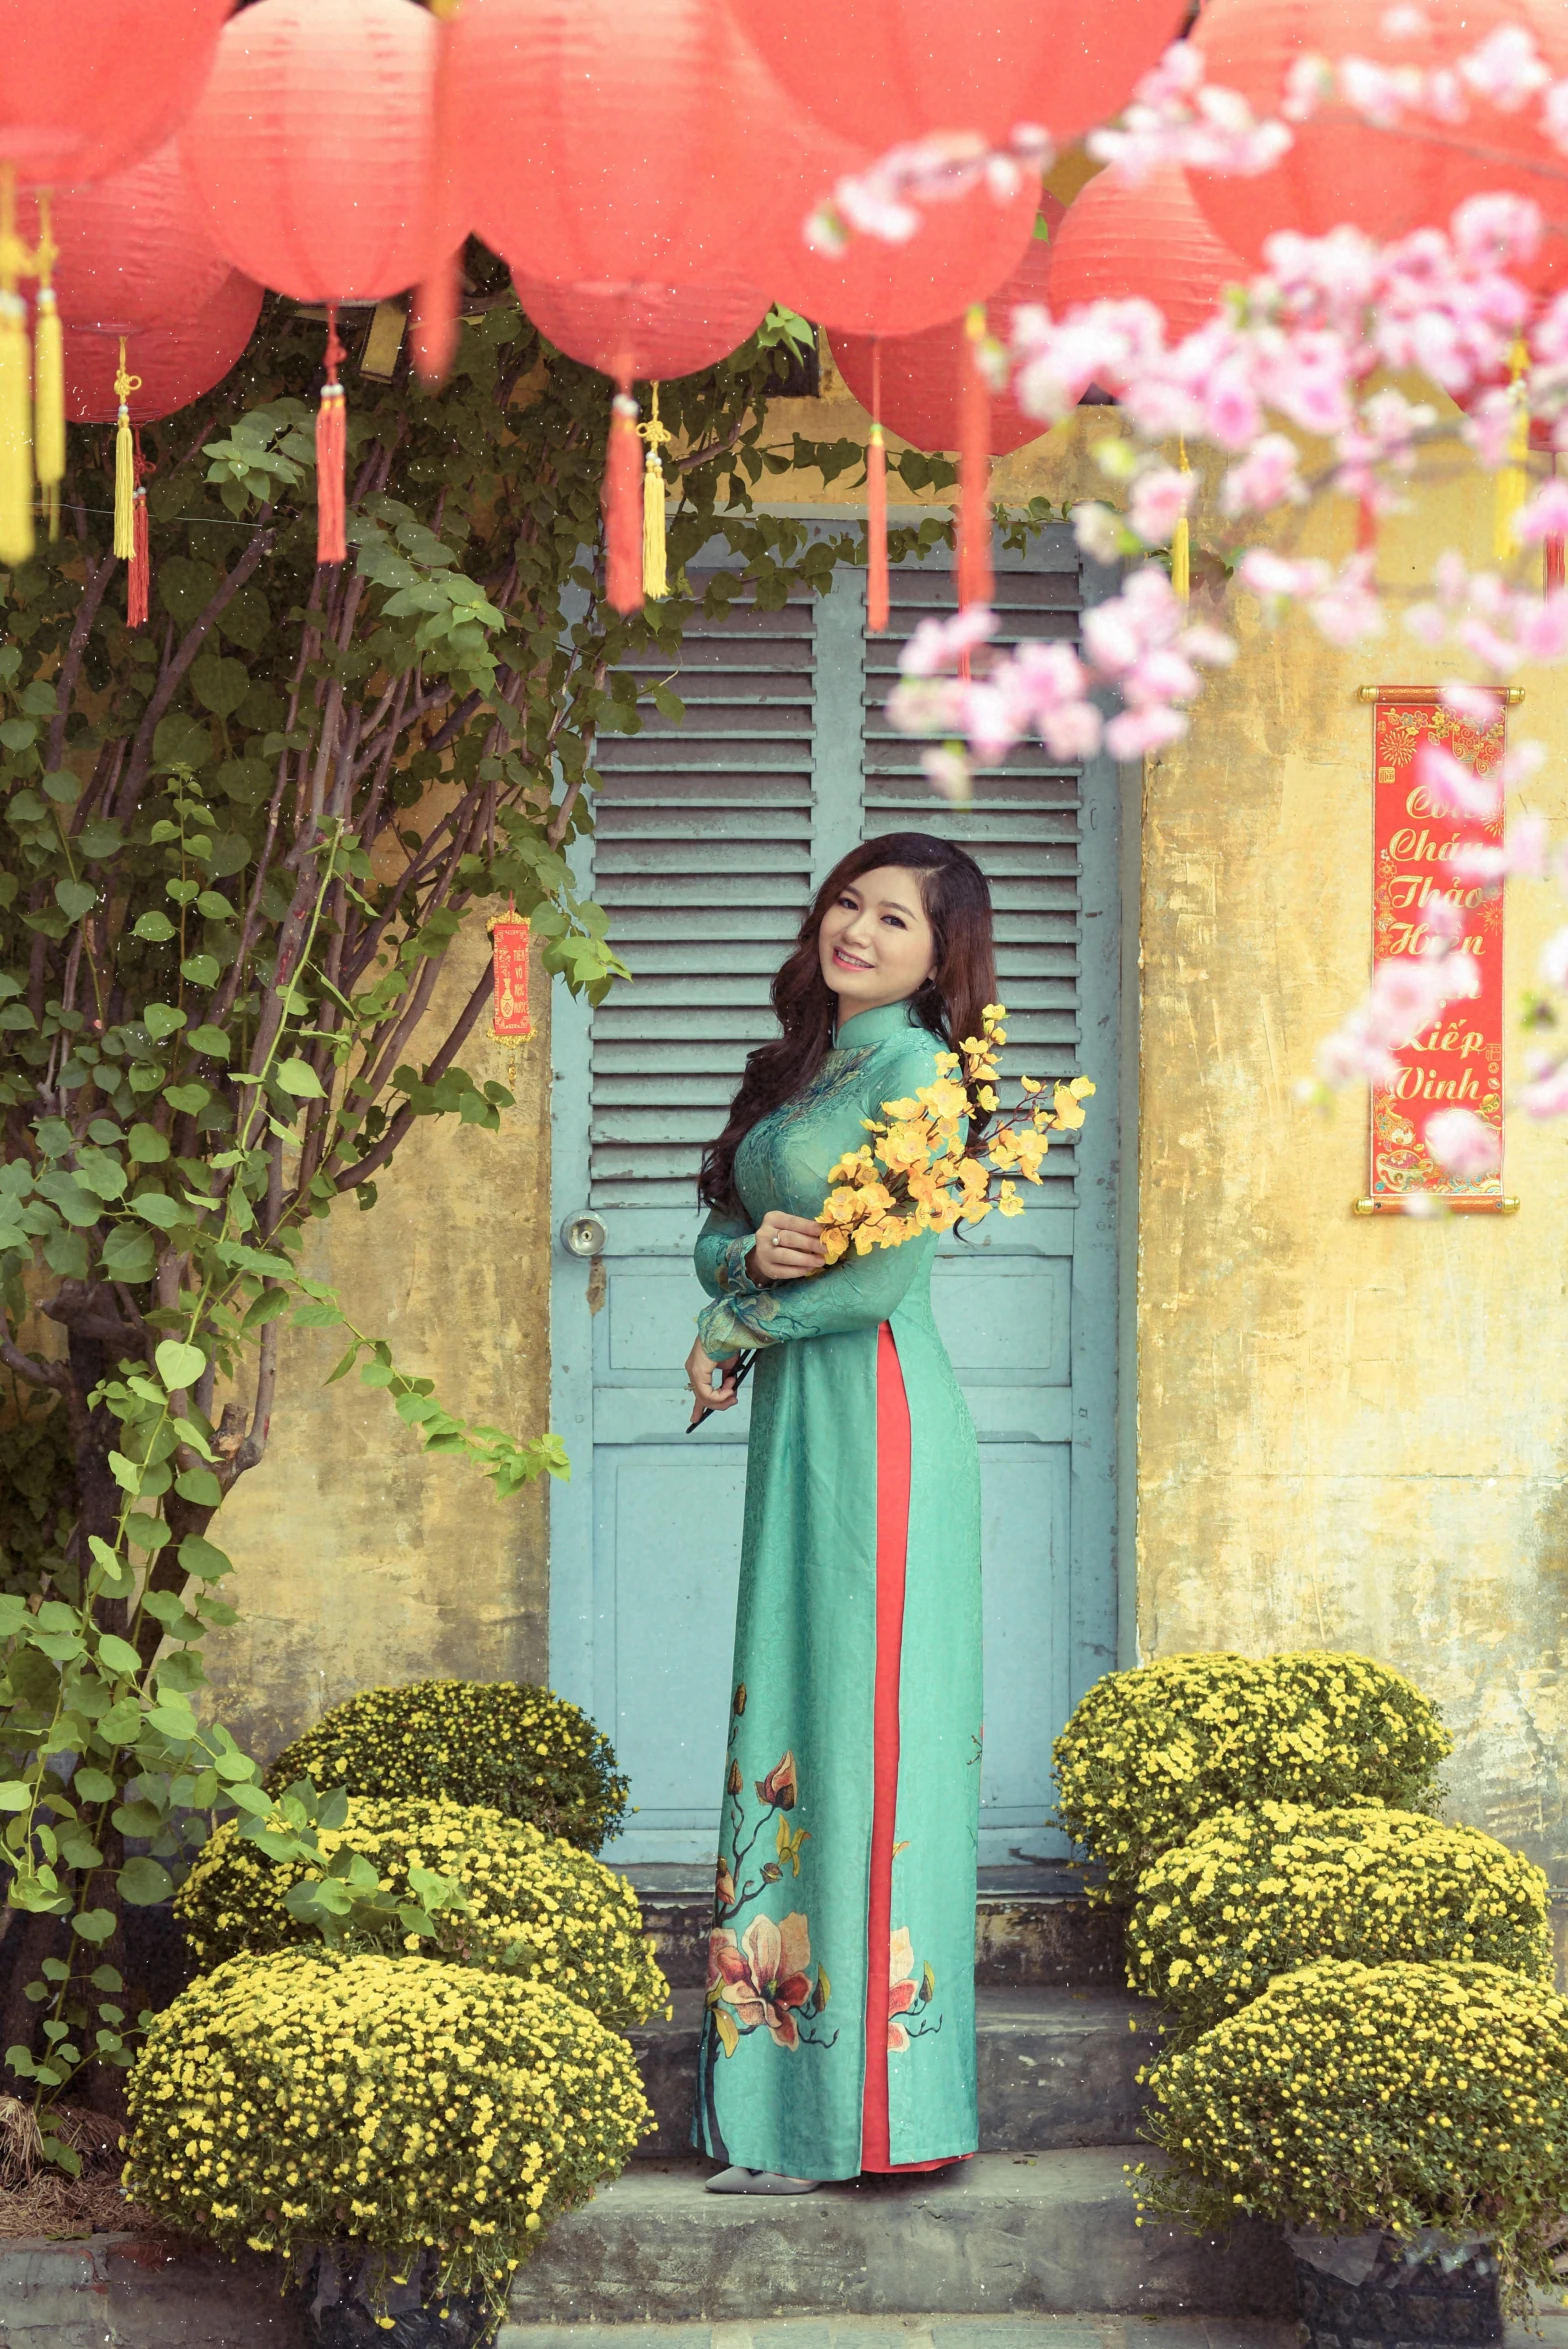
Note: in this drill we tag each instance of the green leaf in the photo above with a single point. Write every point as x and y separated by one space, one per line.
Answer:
189 1098
143 1882
96 1925
157 1208
140 1819
147 1145
219 685
75 898
129 1255
211 1040
15 1794
122 1722
156 927
179 1365
118 1654
96 1786
162 1019
203 1559
13 1614
179 741
201 969
200 1487
298 1078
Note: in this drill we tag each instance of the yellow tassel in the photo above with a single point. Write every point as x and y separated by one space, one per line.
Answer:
48 373
1181 546
16 453
1513 480
124 464
655 575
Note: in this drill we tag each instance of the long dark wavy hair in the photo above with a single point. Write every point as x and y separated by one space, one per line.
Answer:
957 905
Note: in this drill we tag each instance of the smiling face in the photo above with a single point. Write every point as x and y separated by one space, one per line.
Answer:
876 942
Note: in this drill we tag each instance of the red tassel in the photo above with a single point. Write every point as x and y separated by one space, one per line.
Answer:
975 582
1554 573
1366 526
331 454
623 508
876 505
138 576
435 297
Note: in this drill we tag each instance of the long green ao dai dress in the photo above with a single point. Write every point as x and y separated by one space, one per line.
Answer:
839 2029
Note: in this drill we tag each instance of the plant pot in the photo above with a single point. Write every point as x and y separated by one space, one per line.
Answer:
347 2288
1371 2292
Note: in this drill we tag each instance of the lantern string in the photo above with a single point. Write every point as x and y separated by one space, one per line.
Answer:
435 296
48 370
1181 540
1513 482
876 503
975 582
124 463
16 454
331 453
138 579
655 571
623 501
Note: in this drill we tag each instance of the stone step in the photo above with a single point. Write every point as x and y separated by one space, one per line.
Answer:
1056 2068
1034 1927
925 2332
1002 2235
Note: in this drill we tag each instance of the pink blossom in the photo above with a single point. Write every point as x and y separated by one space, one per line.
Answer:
1161 497
1506 69
1546 515
947 771
1475 702
938 644
1269 475
1554 961
1454 787
1098 530
1546 1095
1522 854
1463 1144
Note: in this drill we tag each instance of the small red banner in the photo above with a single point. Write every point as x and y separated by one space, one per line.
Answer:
1457 1062
509 942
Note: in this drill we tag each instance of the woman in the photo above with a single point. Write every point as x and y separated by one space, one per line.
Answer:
839 2031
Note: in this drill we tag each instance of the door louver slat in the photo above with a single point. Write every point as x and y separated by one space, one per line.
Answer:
703 862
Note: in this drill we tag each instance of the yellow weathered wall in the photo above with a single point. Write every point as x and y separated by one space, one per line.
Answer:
359 1561
1352 1432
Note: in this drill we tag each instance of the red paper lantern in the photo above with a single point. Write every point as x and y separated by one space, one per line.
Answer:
645 333
615 145
1342 170
134 249
176 364
961 252
882 71
921 374
1150 239
312 148
88 87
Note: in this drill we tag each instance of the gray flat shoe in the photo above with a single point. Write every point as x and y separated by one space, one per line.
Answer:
738 2181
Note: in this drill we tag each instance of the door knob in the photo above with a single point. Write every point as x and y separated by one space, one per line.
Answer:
584 1234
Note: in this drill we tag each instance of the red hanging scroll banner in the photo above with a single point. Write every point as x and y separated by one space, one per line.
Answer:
511 1023
1456 1062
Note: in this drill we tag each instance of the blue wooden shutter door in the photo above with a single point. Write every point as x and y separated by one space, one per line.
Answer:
710 836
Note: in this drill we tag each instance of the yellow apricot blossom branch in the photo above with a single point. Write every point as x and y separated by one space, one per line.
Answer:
918 1173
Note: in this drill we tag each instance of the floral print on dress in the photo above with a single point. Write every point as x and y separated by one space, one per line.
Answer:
762 1981
908 1997
761 1978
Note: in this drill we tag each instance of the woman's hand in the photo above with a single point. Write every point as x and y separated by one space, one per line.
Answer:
700 1367
787 1248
